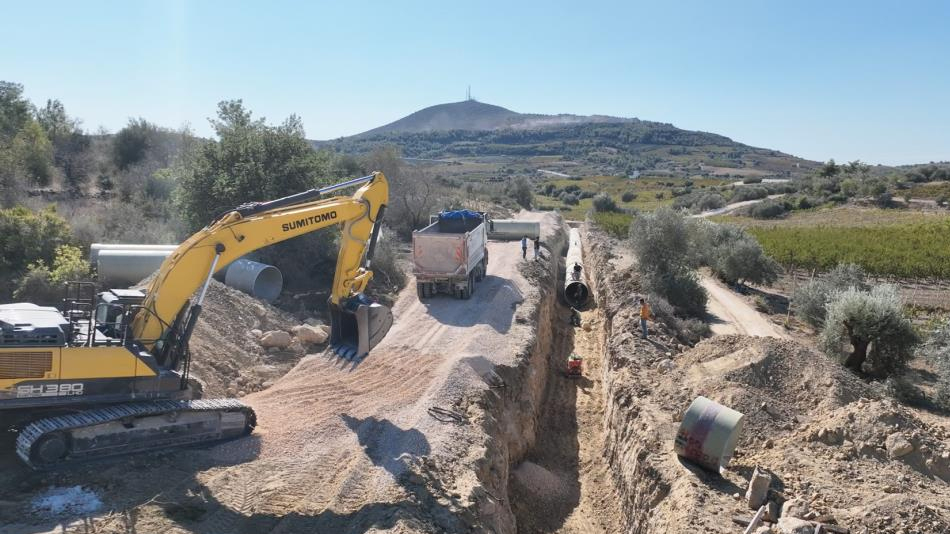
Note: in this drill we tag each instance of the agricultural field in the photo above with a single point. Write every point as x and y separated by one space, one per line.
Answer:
932 190
651 192
895 243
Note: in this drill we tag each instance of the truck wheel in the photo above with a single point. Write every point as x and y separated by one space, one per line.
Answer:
421 290
471 282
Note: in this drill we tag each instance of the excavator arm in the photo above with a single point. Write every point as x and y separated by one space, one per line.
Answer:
167 316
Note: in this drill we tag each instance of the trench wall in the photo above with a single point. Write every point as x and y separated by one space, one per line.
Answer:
512 412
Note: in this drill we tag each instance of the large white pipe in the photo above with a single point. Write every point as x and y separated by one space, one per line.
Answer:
513 229
256 279
95 248
708 433
576 291
128 266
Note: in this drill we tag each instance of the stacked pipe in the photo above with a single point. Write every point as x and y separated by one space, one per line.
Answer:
129 264
576 291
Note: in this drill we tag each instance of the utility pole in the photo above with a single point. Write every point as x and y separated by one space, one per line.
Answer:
468 94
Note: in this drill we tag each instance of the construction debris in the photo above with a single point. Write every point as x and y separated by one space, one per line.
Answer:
758 489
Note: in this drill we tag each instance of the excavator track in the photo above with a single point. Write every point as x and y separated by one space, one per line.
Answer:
131 428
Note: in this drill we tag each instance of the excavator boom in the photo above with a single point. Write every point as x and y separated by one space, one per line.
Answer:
357 324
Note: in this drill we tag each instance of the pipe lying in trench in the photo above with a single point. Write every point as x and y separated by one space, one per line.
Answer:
576 292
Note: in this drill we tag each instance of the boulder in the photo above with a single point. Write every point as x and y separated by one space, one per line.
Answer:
276 339
310 335
758 488
797 508
897 445
793 525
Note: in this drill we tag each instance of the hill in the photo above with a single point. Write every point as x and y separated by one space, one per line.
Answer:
472 115
602 144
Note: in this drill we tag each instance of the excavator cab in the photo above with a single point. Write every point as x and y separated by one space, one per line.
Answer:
357 325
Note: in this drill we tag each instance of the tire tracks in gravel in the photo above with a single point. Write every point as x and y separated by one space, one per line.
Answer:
335 437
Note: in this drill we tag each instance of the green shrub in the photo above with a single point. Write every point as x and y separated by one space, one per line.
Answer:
36 286
628 196
604 203
810 299
569 198
28 237
41 285
680 287
872 323
936 350
767 209
742 194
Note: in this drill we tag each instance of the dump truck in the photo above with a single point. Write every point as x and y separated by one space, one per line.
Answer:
451 254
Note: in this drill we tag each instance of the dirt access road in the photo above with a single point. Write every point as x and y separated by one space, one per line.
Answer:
728 312
731 314
335 440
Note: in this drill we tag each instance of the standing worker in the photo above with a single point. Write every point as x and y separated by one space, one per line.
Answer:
537 247
644 315
524 247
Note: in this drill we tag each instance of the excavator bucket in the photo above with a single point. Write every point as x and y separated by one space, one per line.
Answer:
357 325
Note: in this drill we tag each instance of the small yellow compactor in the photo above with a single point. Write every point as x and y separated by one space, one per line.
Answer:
108 374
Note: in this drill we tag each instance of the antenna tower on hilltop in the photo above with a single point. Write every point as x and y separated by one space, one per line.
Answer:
468 94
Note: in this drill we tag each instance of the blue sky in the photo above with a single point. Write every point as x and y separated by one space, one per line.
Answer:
844 80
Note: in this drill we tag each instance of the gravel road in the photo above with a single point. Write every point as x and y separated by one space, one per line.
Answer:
731 314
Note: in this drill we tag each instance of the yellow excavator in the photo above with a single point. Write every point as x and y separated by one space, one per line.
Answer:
113 366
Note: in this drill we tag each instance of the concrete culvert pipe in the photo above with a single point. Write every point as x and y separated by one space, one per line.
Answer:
95 248
708 434
128 266
576 292
256 279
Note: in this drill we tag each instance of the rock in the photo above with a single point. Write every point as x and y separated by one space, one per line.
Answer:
771 511
797 508
312 321
231 392
257 332
763 530
241 393
665 366
277 339
897 445
758 489
310 335
258 310
793 525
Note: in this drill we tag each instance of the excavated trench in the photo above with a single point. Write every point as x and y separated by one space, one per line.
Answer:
553 460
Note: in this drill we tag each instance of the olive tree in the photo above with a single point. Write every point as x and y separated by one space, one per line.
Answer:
663 245
810 299
937 350
881 338
604 203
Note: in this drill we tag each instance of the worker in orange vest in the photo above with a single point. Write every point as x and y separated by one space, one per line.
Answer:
644 315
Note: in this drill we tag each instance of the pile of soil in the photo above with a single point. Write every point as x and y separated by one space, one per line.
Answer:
856 457
227 358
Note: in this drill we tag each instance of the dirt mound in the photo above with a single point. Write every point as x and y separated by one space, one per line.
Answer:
227 357
775 383
827 437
